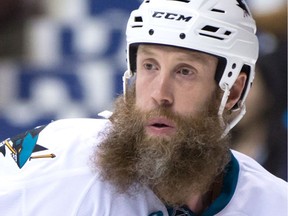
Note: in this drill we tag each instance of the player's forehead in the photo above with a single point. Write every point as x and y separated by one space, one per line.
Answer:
181 53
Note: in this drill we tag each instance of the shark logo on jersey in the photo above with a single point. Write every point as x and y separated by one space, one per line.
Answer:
244 7
24 145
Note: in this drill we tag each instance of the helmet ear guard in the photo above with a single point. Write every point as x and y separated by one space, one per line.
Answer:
132 49
223 28
230 75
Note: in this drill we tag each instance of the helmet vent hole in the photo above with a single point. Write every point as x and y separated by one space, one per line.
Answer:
234 66
218 10
230 74
182 36
137 22
210 28
148 1
215 32
151 32
227 33
138 19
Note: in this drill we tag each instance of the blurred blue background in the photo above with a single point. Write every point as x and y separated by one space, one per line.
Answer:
63 59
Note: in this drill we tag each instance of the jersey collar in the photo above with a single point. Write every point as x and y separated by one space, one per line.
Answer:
229 185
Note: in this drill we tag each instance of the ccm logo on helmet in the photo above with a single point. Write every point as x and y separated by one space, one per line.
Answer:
171 16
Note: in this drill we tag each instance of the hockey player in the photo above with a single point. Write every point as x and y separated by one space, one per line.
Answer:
165 149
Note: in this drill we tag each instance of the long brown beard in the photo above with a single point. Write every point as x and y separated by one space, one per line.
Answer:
174 168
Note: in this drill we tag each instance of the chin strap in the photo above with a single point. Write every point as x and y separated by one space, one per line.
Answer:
127 75
235 120
223 102
241 112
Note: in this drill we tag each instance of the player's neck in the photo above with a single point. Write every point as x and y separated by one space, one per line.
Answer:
196 203
199 202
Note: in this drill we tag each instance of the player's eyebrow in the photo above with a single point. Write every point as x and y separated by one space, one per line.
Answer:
146 50
184 55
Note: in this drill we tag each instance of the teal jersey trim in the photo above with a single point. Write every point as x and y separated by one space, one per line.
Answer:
159 213
228 189
229 186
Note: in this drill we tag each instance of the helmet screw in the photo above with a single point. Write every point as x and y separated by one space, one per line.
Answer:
182 35
151 32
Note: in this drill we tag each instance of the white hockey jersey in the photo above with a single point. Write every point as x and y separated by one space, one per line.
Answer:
47 171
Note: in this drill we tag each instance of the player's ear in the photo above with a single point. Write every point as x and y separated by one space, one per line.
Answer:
236 90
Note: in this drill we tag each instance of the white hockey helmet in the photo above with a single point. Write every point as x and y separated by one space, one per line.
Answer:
223 28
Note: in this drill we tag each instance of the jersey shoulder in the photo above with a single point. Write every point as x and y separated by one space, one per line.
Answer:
260 192
56 175
67 137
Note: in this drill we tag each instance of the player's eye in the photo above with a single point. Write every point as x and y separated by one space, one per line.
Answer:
185 71
149 66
